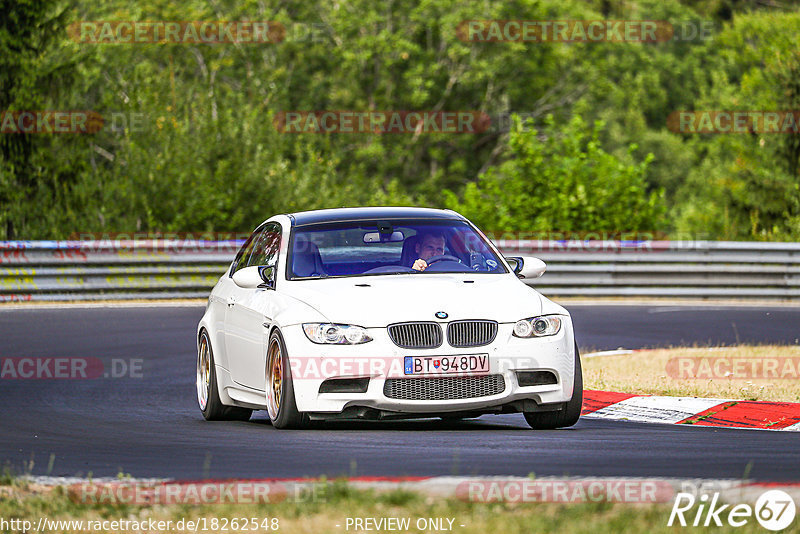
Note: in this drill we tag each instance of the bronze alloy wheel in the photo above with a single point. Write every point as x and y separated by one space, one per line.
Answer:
274 378
203 372
208 388
281 404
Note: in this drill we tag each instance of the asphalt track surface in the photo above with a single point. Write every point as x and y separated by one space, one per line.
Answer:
151 426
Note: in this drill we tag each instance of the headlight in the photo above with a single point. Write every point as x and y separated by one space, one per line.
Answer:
546 325
335 334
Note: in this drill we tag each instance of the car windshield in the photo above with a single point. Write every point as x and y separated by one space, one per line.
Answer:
389 247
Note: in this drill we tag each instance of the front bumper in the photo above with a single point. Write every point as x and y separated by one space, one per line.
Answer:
380 359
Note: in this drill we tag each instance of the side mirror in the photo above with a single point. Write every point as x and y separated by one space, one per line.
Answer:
255 277
527 266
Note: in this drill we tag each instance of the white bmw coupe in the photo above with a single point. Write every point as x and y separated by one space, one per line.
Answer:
380 313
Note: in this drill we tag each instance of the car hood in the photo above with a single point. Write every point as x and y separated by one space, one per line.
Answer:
377 301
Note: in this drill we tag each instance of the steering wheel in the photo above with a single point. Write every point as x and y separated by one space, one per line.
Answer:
442 257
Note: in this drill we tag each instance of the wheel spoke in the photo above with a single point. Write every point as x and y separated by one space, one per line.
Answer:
274 379
203 373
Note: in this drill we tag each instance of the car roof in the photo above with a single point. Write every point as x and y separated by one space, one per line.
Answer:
355 214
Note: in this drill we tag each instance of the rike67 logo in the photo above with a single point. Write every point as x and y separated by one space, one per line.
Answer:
774 510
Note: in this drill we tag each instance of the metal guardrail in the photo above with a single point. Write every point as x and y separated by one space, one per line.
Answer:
98 270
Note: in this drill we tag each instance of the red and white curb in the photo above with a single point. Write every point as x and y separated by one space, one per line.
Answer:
762 415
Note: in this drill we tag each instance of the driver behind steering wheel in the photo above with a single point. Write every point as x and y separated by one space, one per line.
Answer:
431 244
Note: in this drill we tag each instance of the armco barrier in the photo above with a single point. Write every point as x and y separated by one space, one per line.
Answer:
91 270
98 270
685 269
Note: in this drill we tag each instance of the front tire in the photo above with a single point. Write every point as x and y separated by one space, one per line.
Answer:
207 389
281 405
571 412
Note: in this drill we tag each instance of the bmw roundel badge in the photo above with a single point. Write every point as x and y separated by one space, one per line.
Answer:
441 315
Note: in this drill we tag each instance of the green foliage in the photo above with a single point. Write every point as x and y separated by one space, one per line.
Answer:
206 156
561 179
747 186
35 68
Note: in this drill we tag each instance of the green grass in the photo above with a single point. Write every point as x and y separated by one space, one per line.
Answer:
649 372
333 503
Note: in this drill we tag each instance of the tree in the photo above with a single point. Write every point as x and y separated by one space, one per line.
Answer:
35 67
747 185
561 180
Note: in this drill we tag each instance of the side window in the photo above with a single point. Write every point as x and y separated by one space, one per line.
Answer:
265 251
246 250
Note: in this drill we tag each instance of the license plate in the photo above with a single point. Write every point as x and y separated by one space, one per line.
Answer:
447 365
